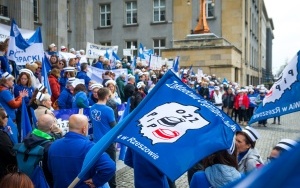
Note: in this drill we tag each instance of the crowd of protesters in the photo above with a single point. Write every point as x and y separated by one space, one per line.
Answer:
71 87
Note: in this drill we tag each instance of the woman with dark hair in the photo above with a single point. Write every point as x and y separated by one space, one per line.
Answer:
65 74
54 84
53 61
248 157
7 156
80 96
221 168
137 96
16 180
7 100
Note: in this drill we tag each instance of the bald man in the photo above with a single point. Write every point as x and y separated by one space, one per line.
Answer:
42 136
67 154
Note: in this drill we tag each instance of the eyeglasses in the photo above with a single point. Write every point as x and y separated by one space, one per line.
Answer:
39 67
61 63
3 117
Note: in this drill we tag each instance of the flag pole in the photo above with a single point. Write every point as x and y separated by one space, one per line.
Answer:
74 182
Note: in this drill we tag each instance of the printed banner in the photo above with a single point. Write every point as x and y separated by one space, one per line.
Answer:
283 97
24 51
95 50
5 30
96 74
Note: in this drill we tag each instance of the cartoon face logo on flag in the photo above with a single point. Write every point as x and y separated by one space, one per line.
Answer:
162 128
286 79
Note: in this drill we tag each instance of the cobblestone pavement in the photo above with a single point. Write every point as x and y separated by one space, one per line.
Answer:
270 135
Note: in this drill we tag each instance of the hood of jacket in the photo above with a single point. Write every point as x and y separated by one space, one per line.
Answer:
219 175
32 140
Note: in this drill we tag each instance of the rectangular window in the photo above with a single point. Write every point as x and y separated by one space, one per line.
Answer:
158 44
132 43
3 11
36 11
159 10
68 15
209 9
105 43
105 15
131 13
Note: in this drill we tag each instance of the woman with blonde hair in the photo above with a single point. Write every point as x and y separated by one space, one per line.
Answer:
16 180
33 68
44 107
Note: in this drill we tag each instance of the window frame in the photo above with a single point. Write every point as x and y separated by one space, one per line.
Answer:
132 11
159 47
36 11
132 43
159 8
208 7
105 13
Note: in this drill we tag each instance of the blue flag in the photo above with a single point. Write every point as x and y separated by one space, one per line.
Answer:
141 51
123 147
107 55
176 64
47 63
45 79
25 121
269 176
283 97
23 51
38 178
166 130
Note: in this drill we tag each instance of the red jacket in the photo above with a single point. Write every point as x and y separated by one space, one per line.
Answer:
245 101
55 87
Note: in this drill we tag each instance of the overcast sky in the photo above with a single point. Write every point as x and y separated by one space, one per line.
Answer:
286 19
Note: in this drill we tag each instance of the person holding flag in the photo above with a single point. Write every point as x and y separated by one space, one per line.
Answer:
66 157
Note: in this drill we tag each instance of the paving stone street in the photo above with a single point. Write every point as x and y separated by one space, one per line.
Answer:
270 135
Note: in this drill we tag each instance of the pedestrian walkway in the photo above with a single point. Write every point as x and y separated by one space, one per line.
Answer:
270 135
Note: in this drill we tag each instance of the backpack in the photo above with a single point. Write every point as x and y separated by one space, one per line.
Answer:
28 159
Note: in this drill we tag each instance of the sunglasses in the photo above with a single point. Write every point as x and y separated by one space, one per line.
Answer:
39 67
3 117
61 63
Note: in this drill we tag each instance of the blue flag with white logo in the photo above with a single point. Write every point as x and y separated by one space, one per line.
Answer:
45 79
173 132
177 131
283 97
176 64
23 51
141 51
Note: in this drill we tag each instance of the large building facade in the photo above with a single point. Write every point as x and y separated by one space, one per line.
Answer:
157 24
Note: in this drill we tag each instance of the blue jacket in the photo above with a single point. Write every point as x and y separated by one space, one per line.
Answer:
4 65
98 65
62 83
19 88
80 100
65 99
65 159
146 175
84 76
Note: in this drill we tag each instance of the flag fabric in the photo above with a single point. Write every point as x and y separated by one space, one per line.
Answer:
12 130
166 130
141 51
133 63
47 63
107 55
113 58
269 176
23 51
45 79
123 147
38 178
283 97
25 121
176 64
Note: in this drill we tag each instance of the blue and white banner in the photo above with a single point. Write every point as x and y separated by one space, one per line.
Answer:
5 32
96 74
283 97
23 51
177 131
63 116
95 50
66 55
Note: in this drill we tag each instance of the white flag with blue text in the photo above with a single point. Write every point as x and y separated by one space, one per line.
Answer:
22 51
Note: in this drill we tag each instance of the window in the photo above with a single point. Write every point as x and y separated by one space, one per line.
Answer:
159 10
105 43
132 43
68 15
3 11
131 13
209 9
36 11
158 45
105 19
